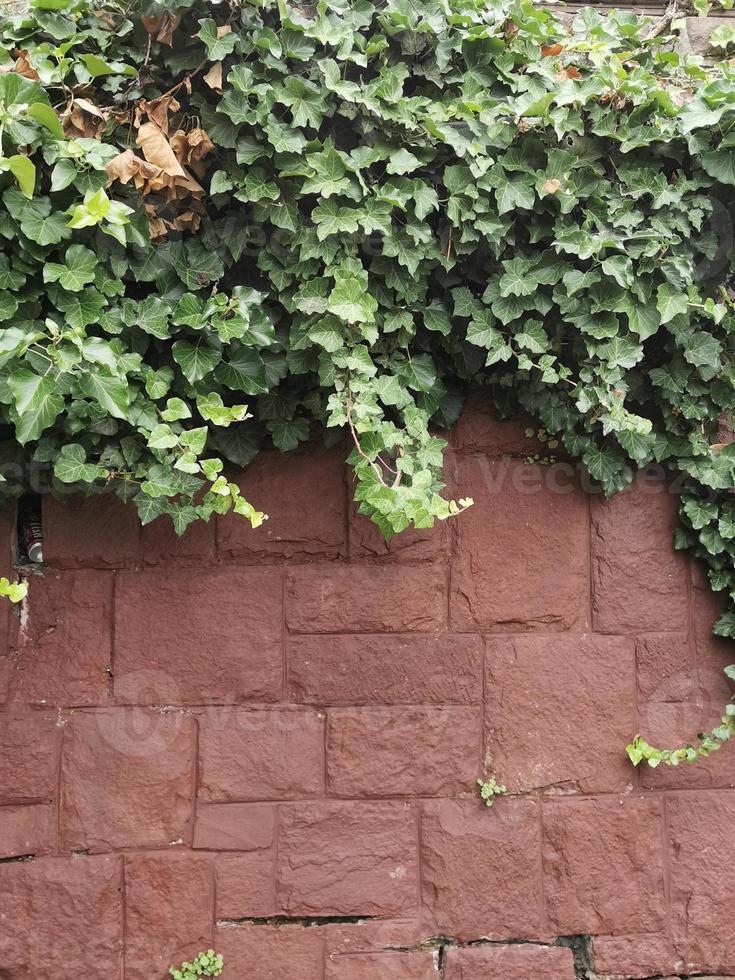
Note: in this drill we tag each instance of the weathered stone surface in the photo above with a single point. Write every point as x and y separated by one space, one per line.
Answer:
694 39
479 431
347 859
431 751
603 865
702 835
202 640
64 648
256 755
61 917
246 885
559 710
668 724
352 598
272 952
412 545
377 669
523 962
169 911
304 495
5 662
466 851
127 779
636 957
376 935
523 549
234 826
666 666
326 801
639 582
29 751
383 966
27 830
95 532
161 545
713 653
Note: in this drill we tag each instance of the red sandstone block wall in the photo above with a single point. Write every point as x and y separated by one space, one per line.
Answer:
268 741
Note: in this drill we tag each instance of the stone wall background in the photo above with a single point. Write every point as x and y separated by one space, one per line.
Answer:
267 742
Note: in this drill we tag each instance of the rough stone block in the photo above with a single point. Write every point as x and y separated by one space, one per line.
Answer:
352 598
466 852
480 431
27 830
702 837
304 495
199 639
559 711
161 545
378 669
169 911
418 751
639 582
522 962
603 865
246 885
522 549
29 756
671 725
347 859
714 653
411 545
257 755
127 779
234 826
64 646
260 952
94 532
666 666
636 957
383 966
62 917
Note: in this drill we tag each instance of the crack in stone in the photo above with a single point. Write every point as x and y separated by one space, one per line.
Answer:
296 920
582 953
578 944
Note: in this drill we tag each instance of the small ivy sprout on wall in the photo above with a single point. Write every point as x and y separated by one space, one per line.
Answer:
15 591
207 964
541 435
489 789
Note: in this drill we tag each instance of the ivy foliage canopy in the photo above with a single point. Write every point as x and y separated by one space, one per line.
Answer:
223 224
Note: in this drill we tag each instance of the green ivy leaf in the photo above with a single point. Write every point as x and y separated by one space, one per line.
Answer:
196 360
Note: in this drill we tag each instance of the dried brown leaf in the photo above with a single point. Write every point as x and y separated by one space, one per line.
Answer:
157 149
191 147
83 119
158 110
24 67
162 28
213 78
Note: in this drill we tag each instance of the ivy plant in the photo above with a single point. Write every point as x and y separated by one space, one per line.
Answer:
239 224
489 789
206 964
